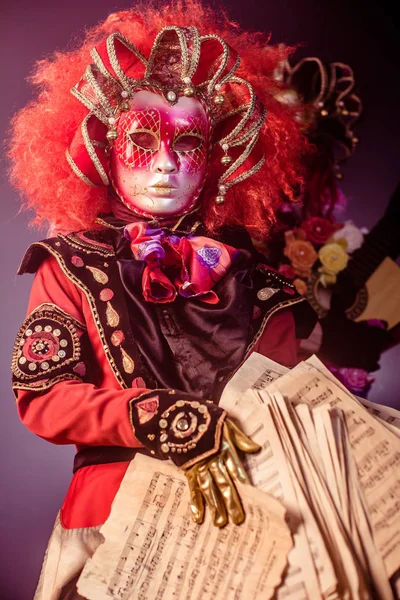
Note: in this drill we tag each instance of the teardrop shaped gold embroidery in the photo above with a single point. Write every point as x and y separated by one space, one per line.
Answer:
112 316
98 275
127 362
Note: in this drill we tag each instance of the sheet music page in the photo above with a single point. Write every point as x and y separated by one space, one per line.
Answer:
384 413
328 524
361 525
154 551
352 501
330 452
390 416
389 426
256 373
376 451
310 574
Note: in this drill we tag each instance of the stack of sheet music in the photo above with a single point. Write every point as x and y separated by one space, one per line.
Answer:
335 467
330 459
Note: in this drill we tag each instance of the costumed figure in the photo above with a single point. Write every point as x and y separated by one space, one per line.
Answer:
348 275
170 153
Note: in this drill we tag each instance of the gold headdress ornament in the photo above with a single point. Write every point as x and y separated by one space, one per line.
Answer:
328 106
181 62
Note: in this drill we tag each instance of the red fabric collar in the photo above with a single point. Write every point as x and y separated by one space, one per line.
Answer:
189 266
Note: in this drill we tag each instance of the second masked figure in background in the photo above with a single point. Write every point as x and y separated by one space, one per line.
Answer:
348 275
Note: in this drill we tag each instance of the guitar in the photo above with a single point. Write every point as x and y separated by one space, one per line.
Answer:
369 287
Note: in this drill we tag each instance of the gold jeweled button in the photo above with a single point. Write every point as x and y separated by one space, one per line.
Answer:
182 425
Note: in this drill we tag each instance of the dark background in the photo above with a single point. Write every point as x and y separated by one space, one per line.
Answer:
35 474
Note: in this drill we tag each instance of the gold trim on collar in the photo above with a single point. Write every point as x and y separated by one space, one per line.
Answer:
93 309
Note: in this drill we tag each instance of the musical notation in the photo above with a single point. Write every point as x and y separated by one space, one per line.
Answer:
329 458
164 555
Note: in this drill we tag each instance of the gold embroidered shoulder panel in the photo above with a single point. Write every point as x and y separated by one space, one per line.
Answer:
47 349
87 259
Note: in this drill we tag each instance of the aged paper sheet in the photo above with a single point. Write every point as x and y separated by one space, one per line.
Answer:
154 551
310 574
329 458
365 495
376 450
256 373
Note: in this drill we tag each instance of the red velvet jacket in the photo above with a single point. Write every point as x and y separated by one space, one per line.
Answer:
81 394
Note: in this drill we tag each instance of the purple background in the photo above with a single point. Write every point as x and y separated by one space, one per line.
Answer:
36 474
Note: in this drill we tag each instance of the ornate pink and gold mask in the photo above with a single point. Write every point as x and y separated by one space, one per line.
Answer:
159 160
148 126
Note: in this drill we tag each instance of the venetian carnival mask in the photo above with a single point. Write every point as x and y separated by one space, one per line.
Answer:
327 107
159 159
153 125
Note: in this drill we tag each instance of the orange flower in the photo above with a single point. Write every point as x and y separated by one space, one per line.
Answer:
300 286
301 255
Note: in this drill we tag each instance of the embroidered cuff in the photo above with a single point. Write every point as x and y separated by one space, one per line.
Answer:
175 425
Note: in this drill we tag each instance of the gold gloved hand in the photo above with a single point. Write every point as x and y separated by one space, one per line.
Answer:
212 480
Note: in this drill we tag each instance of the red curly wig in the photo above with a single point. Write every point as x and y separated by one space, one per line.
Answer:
58 198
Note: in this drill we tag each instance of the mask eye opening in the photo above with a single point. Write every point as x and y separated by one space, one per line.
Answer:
144 139
188 142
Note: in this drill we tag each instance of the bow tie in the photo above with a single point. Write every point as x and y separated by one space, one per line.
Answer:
188 266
